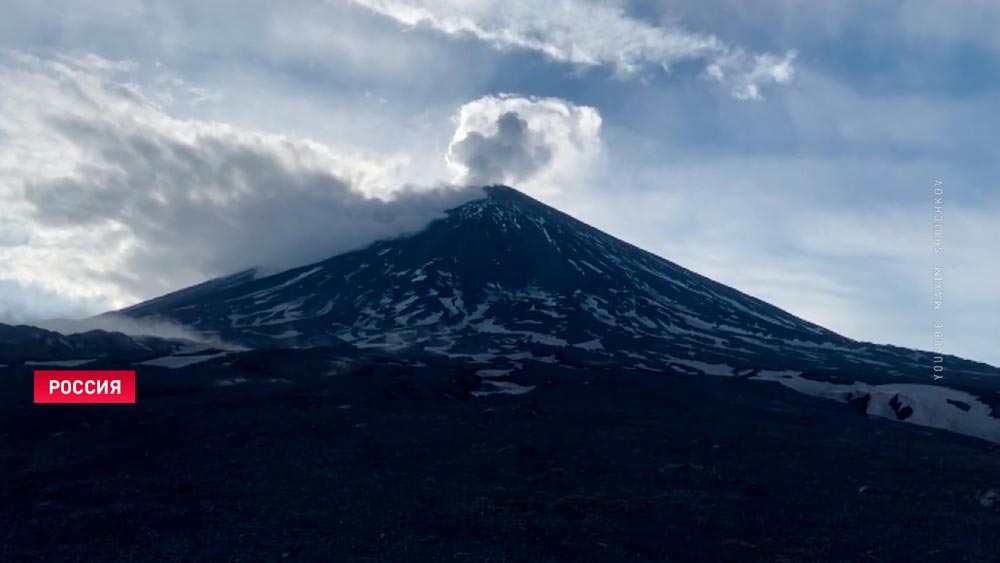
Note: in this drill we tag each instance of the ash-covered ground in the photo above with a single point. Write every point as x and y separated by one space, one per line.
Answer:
273 456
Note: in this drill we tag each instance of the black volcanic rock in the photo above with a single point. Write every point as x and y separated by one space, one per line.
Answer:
294 464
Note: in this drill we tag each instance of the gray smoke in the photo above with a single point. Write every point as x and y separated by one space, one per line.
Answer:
511 155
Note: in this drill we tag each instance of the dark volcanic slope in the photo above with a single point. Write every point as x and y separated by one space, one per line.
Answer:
505 266
508 276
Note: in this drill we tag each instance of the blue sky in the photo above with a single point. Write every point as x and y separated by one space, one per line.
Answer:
787 149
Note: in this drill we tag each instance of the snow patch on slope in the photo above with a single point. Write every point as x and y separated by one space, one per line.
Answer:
934 406
502 388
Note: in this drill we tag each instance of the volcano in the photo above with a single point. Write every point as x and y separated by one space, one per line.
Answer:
507 276
507 372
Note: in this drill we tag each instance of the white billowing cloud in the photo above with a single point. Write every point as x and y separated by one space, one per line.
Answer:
592 33
536 144
511 155
116 200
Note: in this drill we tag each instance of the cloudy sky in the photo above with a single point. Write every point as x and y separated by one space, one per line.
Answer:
788 149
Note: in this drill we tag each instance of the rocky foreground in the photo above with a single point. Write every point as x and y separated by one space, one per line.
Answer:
275 456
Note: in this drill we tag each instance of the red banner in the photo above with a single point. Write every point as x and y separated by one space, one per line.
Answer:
84 386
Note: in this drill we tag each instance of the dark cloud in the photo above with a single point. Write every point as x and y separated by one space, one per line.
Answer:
210 202
511 155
